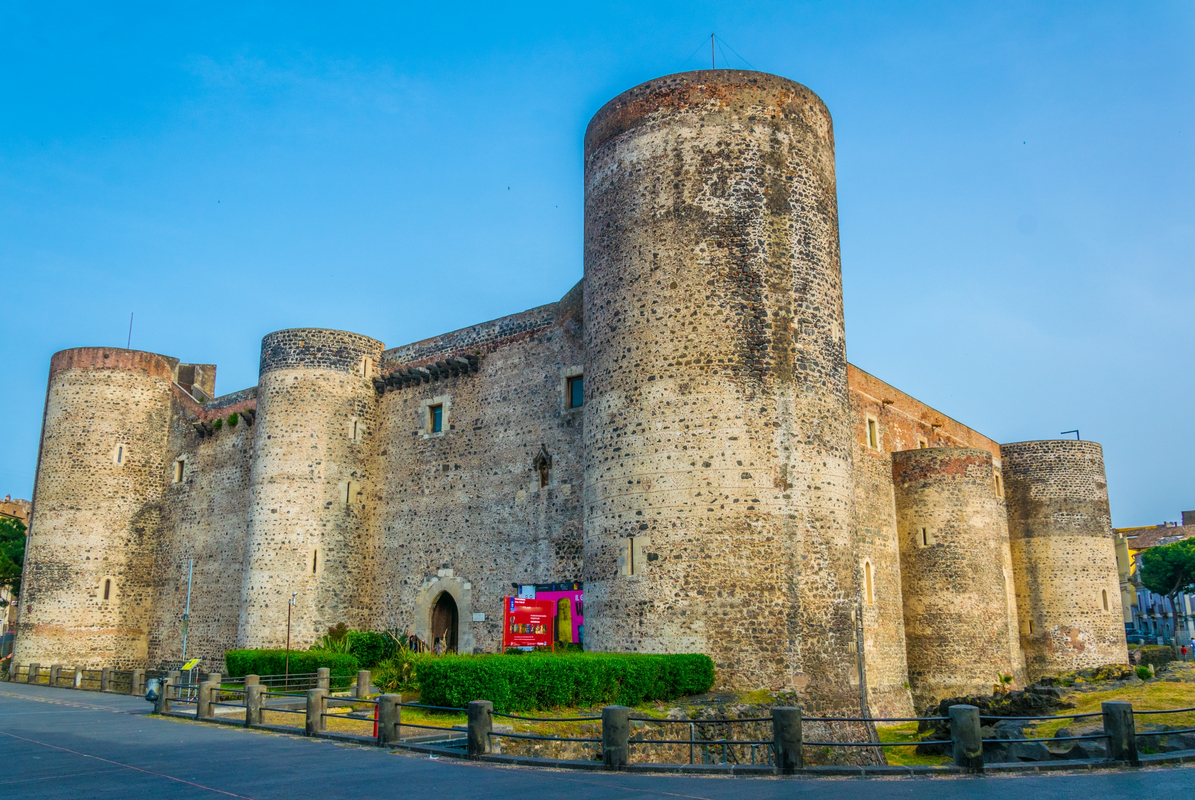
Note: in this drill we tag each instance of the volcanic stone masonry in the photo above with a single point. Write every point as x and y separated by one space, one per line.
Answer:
729 484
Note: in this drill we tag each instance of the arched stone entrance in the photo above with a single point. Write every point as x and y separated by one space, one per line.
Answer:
445 623
435 595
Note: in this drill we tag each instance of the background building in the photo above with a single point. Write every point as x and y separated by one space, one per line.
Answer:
1146 614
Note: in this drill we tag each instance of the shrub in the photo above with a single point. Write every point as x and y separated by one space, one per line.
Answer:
371 648
1144 672
543 680
400 672
1157 655
273 662
218 424
233 418
330 644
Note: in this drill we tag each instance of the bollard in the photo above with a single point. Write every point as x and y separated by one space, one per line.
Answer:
786 736
105 679
389 718
55 674
362 688
174 675
78 681
205 697
968 744
323 678
253 703
137 681
481 725
1121 729
215 677
32 675
162 704
252 680
317 706
616 734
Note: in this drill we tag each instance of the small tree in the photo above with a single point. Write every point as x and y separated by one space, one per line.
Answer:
1169 570
12 555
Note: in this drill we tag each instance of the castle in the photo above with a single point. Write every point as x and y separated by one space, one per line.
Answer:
681 433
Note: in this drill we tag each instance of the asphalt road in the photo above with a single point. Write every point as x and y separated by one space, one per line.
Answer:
59 743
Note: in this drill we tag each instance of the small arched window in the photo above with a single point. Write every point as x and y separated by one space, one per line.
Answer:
868 583
1104 592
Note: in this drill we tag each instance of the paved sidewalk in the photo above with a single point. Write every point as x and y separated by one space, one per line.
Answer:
59 743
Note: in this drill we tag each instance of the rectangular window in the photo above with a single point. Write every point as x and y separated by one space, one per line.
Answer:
873 434
576 392
178 470
435 419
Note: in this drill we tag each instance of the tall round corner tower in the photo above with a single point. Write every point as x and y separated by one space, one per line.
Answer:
88 577
717 439
310 486
1064 556
960 615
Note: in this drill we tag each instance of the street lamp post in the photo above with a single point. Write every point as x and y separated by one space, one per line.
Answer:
290 605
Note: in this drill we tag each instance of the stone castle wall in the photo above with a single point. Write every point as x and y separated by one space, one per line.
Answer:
463 511
718 439
100 467
204 517
731 485
953 538
1064 556
312 487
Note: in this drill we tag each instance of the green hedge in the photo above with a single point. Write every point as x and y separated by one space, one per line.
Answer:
371 648
273 662
1158 655
542 680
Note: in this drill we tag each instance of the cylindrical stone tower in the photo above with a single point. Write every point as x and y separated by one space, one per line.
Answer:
1064 556
87 583
717 436
960 615
309 489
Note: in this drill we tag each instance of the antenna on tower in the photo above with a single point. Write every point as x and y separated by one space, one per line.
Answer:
712 63
129 345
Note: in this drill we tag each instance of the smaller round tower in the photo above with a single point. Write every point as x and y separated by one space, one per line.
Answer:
1064 556
959 609
309 497
101 470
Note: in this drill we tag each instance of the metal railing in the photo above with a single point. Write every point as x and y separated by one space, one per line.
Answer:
782 752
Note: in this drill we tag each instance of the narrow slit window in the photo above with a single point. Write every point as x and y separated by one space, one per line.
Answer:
178 470
314 560
873 435
1031 626
107 588
998 487
355 431
120 454
924 537
435 419
576 392
868 583
1104 592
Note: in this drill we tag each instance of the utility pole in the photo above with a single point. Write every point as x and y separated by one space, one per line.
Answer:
290 605
187 613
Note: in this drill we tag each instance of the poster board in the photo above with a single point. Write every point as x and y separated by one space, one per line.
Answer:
527 623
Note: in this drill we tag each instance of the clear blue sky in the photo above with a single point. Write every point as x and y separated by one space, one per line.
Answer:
1015 189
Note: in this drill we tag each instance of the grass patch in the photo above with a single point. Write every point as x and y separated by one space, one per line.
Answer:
906 756
1155 695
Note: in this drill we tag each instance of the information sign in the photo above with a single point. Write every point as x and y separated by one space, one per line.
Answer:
528 623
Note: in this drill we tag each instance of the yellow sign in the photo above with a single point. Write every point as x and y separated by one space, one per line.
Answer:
192 664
